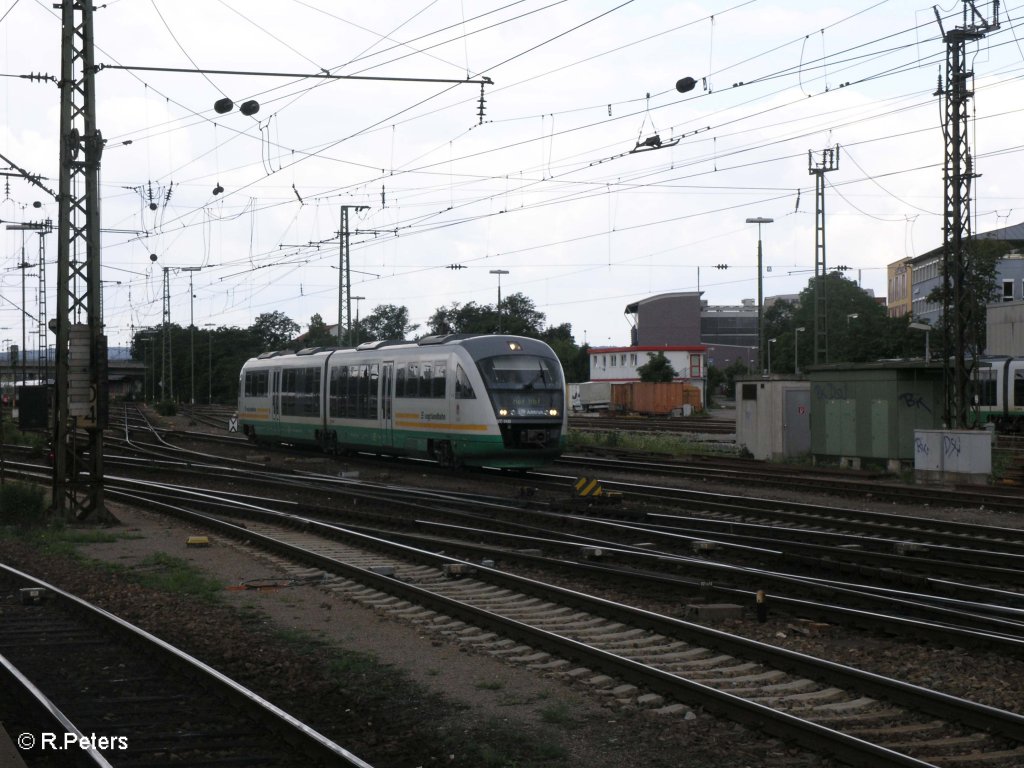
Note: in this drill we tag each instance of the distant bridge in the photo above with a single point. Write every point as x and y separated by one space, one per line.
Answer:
123 376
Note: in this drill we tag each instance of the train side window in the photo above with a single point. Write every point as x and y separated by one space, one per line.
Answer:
288 381
356 391
363 407
1018 388
311 394
463 389
256 383
412 381
426 376
987 387
300 392
399 381
371 398
440 378
339 391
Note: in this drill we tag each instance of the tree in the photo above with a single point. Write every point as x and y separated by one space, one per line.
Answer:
462 318
657 368
575 360
859 328
722 381
274 330
519 317
981 264
318 335
386 322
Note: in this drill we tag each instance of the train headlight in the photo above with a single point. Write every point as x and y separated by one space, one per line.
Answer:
503 412
553 412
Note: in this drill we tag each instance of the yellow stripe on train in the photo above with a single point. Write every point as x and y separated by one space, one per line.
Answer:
442 426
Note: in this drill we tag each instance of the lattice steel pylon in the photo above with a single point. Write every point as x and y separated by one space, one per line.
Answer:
43 346
166 351
829 162
80 374
959 338
345 276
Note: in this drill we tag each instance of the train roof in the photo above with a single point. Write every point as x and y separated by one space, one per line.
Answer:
478 345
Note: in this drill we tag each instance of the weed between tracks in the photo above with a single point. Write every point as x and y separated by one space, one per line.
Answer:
166 573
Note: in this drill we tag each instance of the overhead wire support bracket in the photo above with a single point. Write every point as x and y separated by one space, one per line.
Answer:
654 142
298 75
252 106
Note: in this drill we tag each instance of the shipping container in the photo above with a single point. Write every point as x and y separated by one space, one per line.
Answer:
648 398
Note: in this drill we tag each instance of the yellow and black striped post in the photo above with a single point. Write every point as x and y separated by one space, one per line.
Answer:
588 488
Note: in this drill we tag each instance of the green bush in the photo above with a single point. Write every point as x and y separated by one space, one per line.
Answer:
22 504
167 408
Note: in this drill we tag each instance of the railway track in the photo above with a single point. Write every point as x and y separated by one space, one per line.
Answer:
858 717
693 425
835 482
121 697
992 752
841 482
890 551
808 580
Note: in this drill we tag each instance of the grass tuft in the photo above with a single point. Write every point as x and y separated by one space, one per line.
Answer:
166 573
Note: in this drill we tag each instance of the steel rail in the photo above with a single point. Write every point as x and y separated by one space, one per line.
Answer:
909 601
58 722
1010 632
856 519
792 479
994 567
851 749
733 469
311 742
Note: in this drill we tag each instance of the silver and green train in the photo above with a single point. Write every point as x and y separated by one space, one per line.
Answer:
461 400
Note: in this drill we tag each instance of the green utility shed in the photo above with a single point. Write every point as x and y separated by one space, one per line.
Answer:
870 410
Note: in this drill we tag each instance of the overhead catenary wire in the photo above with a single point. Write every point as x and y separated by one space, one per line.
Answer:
554 159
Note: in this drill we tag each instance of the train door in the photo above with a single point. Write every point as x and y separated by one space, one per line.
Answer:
275 401
387 390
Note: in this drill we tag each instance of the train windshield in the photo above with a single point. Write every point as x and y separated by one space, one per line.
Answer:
520 372
523 386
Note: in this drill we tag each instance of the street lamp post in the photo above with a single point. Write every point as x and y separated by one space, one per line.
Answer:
192 330
796 349
353 332
209 375
759 220
770 342
147 358
927 330
851 316
499 273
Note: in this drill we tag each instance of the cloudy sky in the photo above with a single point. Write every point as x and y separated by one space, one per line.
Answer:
547 186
